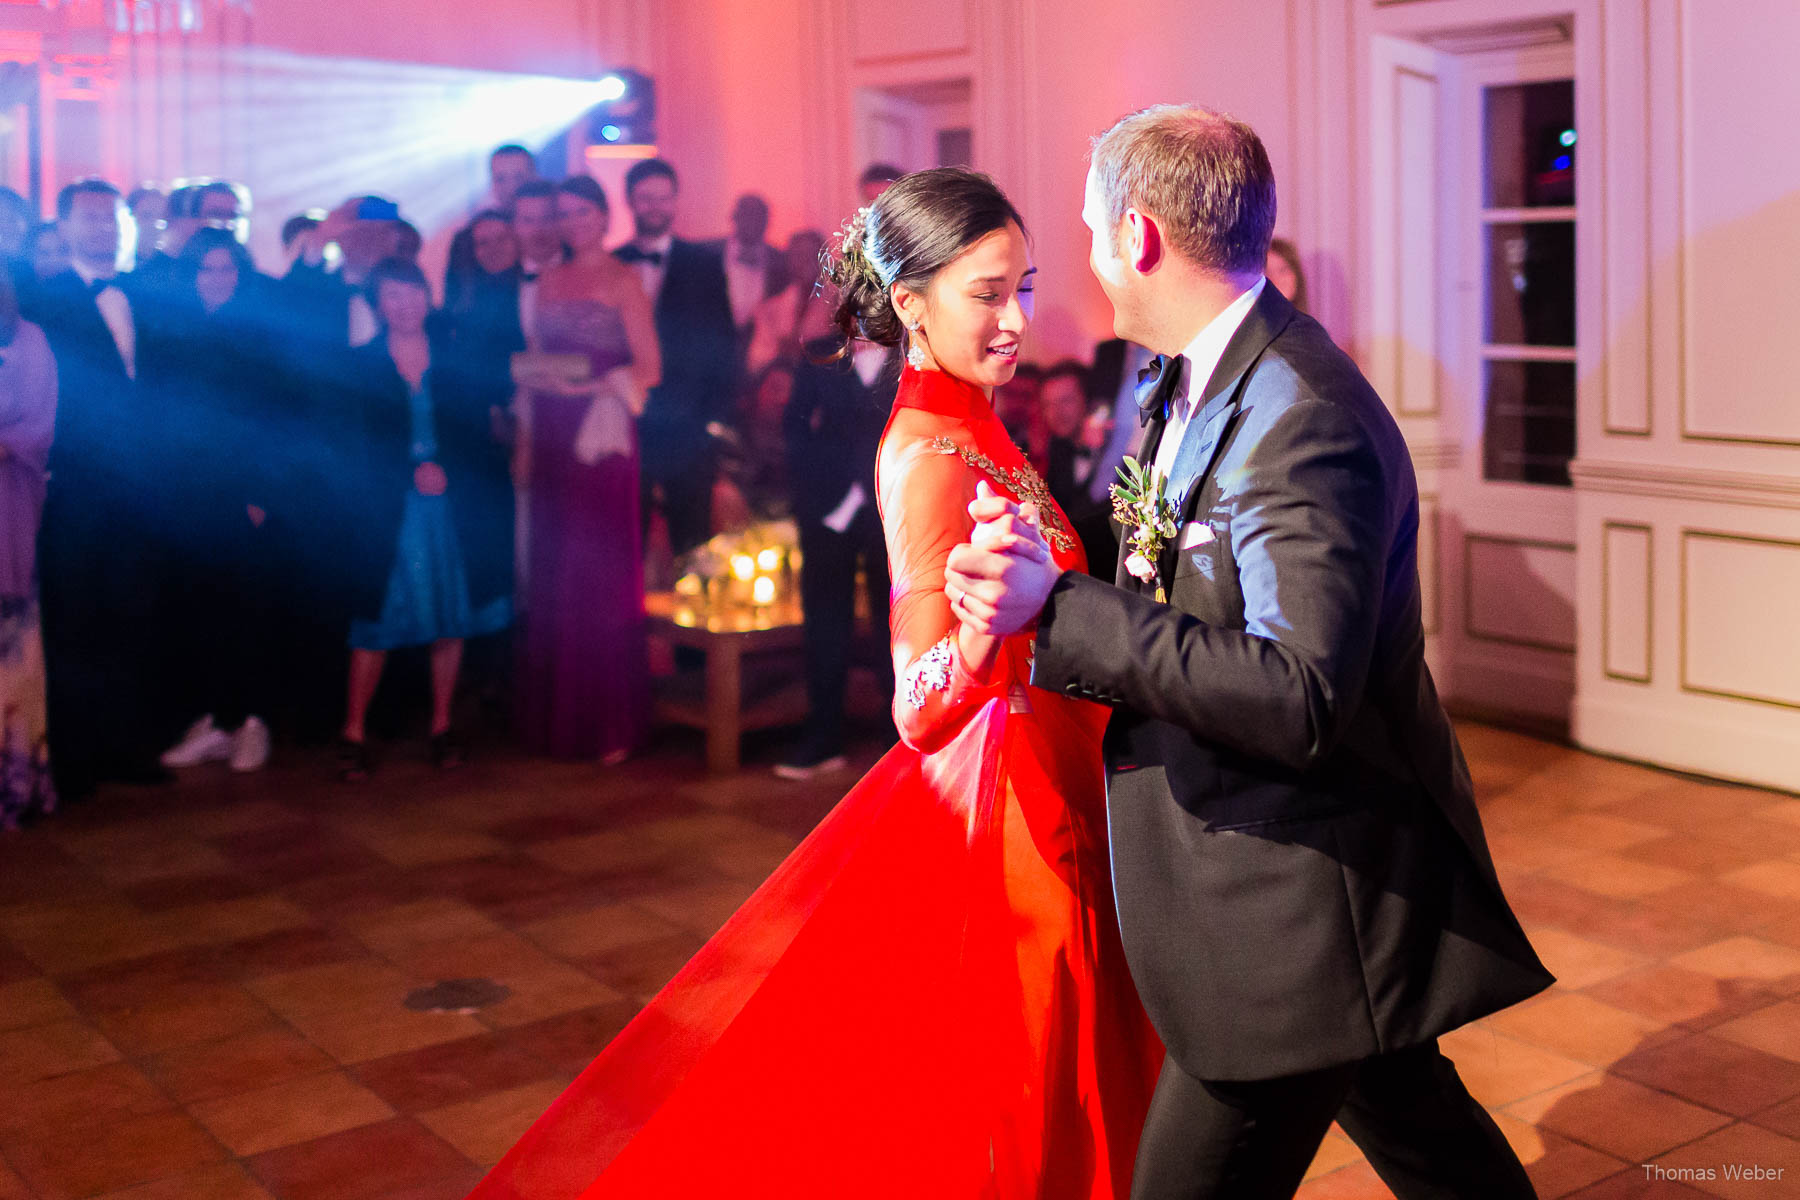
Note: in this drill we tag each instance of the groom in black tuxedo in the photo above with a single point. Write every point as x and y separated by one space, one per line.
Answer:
1305 893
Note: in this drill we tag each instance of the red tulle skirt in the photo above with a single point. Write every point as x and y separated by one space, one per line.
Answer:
928 999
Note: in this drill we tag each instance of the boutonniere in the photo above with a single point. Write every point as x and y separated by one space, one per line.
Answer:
1141 505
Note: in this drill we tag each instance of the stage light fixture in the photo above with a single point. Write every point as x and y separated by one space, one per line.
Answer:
626 113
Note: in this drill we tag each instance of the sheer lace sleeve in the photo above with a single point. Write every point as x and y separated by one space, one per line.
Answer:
925 496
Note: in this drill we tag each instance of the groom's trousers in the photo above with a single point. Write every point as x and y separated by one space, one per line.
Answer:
1407 1111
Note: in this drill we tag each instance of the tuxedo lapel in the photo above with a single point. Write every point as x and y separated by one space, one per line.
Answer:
1193 462
1218 404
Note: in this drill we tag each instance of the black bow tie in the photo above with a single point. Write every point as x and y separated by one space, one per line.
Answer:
1157 385
631 254
100 285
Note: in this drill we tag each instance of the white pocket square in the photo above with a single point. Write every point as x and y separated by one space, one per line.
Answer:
1196 533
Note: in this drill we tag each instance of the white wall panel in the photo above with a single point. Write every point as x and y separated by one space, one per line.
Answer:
1739 638
1625 583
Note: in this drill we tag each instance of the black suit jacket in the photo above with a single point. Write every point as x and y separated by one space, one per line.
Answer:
1301 874
699 361
100 446
833 426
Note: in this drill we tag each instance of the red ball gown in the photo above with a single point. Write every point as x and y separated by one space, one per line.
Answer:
928 999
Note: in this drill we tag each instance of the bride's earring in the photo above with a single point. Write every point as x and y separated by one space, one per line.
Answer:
915 352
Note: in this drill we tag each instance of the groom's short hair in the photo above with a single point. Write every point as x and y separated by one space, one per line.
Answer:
1205 177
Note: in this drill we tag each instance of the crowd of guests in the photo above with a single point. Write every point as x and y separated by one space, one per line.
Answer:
230 495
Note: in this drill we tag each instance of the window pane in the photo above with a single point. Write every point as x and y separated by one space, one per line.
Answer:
1530 144
1531 284
1530 429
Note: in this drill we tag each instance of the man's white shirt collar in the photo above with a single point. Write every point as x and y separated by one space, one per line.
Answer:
89 274
1208 347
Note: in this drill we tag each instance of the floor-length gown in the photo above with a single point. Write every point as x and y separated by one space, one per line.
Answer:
928 998
584 677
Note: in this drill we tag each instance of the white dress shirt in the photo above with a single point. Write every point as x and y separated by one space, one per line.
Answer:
1203 355
1127 429
652 273
115 310
747 282
365 326
528 292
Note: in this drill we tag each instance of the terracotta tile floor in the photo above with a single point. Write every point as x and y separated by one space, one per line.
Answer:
201 986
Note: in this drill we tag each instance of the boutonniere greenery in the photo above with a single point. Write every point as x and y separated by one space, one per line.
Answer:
1141 506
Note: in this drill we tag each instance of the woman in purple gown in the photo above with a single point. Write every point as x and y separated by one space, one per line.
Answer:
584 678
27 421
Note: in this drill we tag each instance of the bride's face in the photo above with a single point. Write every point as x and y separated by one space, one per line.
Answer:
975 312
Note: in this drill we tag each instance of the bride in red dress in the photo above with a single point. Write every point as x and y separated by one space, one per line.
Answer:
928 999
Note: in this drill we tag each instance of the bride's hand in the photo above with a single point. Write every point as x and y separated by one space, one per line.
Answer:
1006 528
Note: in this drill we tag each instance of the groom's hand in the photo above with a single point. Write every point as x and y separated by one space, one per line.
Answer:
997 581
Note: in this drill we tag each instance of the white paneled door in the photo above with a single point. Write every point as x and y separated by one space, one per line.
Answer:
1473 343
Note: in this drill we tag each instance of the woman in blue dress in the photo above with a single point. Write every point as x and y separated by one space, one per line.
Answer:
429 533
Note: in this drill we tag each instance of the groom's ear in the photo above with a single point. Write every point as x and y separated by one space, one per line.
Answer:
1143 241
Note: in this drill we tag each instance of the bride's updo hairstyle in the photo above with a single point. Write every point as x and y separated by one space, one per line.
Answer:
916 228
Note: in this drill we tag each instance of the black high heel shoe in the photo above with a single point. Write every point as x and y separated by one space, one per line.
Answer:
448 751
354 763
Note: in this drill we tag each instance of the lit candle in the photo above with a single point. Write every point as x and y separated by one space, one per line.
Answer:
769 559
763 591
743 567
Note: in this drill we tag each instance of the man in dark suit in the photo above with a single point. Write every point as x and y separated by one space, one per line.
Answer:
1305 893
94 565
325 314
833 427
686 284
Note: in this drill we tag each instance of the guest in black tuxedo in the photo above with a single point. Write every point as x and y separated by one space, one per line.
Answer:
686 284
1112 389
326 314
754 270
331 306
535 227
833 426
149 209
93 561
510 167
1305 893
1078 434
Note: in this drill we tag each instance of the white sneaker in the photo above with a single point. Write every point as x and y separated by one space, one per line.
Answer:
204 742
250 746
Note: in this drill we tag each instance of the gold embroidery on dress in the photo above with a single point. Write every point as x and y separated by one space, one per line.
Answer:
1022 481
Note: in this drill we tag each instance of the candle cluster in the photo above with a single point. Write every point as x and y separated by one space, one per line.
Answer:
750 569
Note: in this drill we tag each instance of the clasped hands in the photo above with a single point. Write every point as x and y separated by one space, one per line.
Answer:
998 580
